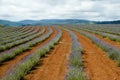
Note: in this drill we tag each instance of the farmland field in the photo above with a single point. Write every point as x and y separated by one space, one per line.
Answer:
74 52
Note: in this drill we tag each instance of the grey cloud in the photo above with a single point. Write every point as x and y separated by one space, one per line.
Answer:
55 2
6 16
43 9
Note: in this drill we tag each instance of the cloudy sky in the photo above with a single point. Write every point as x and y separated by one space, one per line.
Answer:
16 10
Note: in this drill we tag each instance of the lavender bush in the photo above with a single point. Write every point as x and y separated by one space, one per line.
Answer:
75 69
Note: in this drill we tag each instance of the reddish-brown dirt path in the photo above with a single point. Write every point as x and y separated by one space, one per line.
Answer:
115 44
6 65
54 65
97 65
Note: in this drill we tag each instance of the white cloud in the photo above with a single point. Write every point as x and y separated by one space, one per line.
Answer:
63 9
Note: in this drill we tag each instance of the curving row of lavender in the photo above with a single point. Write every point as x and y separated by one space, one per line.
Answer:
10 35
21 32
21 69
113 52
14 32
5 34
110 36
21 41
111 29
32 41
75 68
10 29
18 36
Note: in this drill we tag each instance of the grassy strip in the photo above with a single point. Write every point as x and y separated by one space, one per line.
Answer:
7 56
113 52
75 68
22 68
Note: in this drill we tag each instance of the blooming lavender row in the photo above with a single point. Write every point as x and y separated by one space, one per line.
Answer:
4 34
18 42
18 36
24 47
6 30
113 52
21 69
110 36
11 33
111 29
20 33
75 69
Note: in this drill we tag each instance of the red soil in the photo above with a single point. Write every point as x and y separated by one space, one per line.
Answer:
53 66
97 65
6 65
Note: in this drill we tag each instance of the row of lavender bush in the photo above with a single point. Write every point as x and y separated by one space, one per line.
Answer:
18 42
75 68
24 47
10 30
18 36
111 29
106 35
21 69
11 33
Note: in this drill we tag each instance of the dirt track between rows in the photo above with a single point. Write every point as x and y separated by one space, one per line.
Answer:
54 65
6 65
97 65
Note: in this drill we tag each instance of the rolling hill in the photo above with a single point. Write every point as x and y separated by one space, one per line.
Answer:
54 22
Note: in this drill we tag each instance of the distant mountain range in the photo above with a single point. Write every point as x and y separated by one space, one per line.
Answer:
54 22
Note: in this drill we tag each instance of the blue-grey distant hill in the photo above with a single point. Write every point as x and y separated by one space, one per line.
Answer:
8 23
54 22
109 22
